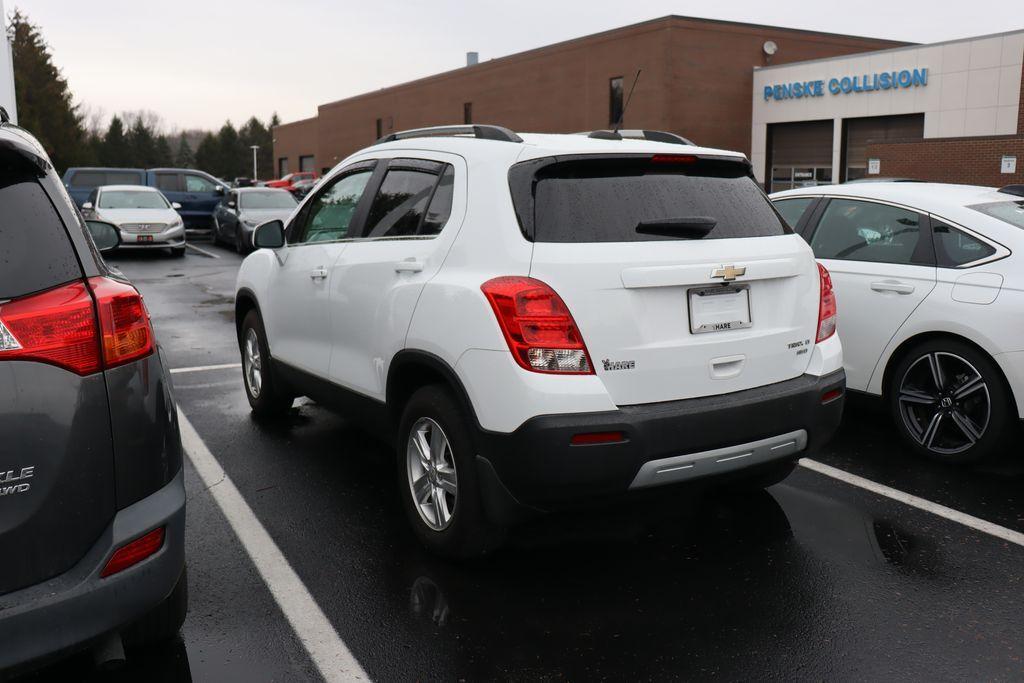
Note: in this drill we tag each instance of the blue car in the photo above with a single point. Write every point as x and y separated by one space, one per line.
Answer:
198 193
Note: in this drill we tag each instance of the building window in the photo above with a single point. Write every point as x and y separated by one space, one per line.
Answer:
380 128
282 167
615 101
467 112
306 163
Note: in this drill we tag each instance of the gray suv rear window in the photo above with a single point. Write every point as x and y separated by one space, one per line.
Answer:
634 200
35 251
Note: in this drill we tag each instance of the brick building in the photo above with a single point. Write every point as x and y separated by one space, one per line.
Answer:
945 112
696 81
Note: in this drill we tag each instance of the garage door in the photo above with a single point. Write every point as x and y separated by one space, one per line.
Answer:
799 154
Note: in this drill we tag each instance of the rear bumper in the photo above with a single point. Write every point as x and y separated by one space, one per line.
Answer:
78 606
535 467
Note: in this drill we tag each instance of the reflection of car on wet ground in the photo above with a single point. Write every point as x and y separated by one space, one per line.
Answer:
143 215
544 319
243 208
930 290
92 498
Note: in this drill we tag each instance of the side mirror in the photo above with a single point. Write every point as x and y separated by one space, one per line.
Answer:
87 206
175 205
231 205
105 235
220 190
269 235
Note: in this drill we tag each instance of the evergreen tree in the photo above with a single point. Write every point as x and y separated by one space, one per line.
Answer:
255 133
184 157
208 155
114 150
164 155
45 106
231 155
141 145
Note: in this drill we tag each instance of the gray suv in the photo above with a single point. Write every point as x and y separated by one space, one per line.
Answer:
92 498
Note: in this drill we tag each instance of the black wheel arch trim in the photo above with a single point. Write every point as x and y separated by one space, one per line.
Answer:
241 296
410 358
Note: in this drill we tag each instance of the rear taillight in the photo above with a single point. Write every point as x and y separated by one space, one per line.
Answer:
124 322
827 306
59 327
537 325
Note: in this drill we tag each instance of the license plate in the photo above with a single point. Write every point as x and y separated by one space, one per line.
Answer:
144 238
715 309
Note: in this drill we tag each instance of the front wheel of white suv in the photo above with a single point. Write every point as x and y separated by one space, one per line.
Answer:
266 398
437 477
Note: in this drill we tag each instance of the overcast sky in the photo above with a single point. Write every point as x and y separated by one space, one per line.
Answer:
199 62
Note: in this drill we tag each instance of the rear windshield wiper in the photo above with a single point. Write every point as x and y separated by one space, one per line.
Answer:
688 227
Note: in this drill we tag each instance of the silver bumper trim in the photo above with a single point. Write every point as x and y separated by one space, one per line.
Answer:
694 465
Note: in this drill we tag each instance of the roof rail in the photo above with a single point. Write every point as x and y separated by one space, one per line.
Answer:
481 132
1016 190
651 135
4 116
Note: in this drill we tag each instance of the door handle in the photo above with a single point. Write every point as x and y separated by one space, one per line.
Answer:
409 265
892 286
318 273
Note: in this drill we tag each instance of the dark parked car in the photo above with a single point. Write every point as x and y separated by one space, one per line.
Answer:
246 207
92 496
197 192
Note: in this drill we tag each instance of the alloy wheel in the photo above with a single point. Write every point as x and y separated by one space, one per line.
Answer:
252 363
944 402
433 480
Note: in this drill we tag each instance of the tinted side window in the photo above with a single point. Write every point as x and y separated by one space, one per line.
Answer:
400 203
122 178
440 208
793 209
168 182
852 230
197 183
330 213
35 252
954 247
88 179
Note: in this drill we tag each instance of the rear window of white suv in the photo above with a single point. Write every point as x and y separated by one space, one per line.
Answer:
634 199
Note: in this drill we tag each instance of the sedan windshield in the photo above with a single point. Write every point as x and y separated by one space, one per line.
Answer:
267 200
132 199
1008 212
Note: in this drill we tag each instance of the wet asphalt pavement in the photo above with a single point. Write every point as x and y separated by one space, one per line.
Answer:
812 579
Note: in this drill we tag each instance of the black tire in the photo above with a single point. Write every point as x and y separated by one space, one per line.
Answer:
468 533
178 252
215 229
965 432
164 622
267 400
240 245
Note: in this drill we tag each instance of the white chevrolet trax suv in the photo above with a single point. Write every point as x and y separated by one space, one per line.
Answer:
542 319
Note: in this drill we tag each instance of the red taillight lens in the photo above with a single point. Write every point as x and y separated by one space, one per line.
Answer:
59 327
132 553
56 327
673 159
827 307
537 325
124 322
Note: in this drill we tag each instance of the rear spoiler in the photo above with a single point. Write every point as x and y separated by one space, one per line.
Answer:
1015 190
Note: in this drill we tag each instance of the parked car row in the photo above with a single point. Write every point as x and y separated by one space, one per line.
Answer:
143 216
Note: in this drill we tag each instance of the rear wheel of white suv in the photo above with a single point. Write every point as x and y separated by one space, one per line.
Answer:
437 477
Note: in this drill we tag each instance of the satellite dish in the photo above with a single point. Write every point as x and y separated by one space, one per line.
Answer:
770 47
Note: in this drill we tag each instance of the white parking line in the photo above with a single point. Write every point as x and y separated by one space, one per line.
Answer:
201 251
328 652
1008 535
204 368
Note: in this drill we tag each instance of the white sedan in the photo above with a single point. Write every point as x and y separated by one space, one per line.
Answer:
143 215
929 282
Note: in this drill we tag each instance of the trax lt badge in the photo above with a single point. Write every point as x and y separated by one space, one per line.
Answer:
729 273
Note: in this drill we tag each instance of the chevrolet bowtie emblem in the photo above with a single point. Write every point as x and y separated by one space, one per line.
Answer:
729 273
